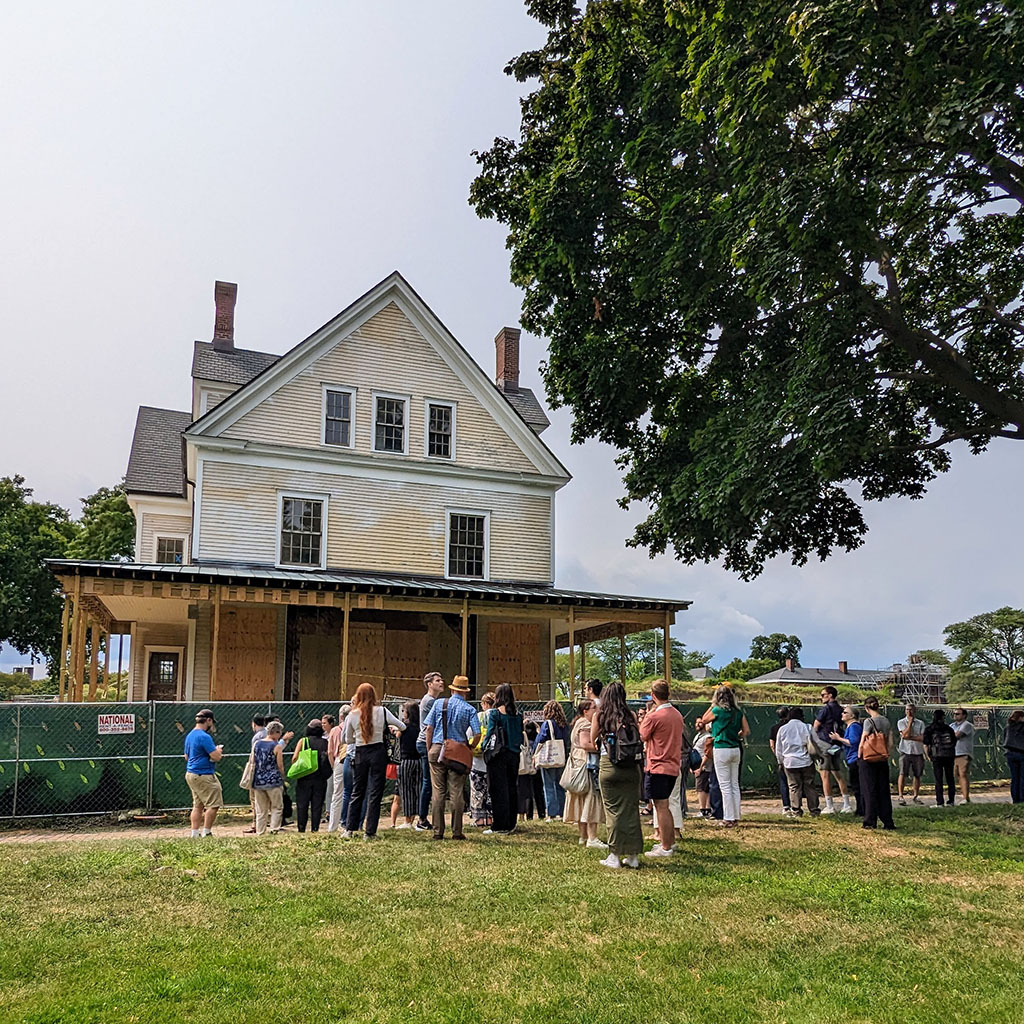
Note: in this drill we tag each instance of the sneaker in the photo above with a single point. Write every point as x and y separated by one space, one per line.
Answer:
789 813
459 837
847 808
369 839
583 842
918 800
595 844
547 821
658 851
902 802
706 813
422 825
398 828
345 834
488 832
828 809
631 862
251 831
611 861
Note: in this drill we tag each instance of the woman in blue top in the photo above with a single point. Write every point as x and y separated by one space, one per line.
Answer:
728 730
553 728
850 739
503 767
268 780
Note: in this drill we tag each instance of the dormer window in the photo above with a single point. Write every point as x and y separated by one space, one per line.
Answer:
339 416
439 435
391 424
170 550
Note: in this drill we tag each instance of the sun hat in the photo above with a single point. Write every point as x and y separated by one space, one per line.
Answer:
460 684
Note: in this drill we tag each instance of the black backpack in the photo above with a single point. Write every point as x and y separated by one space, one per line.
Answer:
943 741
625 747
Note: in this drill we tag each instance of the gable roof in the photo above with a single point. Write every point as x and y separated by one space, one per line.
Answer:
156 464
524 401
236 367
809 676
394 288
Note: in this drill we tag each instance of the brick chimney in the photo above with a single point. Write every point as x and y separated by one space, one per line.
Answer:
789 665
224 322
506 344
843 667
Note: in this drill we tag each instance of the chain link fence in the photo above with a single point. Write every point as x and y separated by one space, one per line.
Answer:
61 760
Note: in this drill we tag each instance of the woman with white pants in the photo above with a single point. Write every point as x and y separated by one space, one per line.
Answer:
728 730
336 755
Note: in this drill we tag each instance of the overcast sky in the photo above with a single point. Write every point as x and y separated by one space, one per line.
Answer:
305 151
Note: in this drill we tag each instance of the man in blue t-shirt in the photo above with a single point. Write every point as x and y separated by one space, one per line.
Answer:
200 755
828 720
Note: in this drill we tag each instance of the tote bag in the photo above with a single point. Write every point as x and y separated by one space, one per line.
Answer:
305 764
550 753
576 778
874 746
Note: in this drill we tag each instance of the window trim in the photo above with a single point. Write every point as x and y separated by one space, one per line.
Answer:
157 537
407 400
147 652
352 393
427 403
302 496
484 514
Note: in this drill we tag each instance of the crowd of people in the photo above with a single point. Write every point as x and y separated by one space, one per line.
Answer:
607 767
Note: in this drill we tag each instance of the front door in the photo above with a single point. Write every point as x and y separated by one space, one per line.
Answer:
163 675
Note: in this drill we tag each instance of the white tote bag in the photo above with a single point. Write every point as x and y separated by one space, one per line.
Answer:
550 753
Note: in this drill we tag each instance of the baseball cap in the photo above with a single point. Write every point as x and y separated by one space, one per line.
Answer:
203 713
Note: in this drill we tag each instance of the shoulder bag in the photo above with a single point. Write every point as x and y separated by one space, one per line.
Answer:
874 745
496 740
246 780
550 753
306 763
575 777
454 755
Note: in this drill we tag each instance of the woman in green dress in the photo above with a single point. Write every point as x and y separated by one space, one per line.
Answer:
616 731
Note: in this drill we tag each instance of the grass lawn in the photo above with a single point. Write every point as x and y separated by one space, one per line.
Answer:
776 921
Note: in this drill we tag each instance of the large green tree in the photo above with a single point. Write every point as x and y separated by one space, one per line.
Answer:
776 251
778 647
30 532
106 529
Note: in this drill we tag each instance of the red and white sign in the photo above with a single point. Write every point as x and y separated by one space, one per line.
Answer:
110 725
533 716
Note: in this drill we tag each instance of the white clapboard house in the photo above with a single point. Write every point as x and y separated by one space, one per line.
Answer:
366 507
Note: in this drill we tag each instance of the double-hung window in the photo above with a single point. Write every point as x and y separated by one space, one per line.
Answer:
467 544
302 531
391 424
439 435
339 409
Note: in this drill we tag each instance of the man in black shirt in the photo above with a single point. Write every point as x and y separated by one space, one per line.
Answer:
828 720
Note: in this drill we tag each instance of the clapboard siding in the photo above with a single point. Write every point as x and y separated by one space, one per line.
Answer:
387 353
377 525
201 662
154 525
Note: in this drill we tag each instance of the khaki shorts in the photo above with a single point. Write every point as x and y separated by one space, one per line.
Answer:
962 766
206 791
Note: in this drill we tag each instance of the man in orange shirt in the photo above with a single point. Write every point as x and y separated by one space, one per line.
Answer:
661 729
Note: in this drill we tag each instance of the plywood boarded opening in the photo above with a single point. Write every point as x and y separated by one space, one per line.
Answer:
514 656
246 653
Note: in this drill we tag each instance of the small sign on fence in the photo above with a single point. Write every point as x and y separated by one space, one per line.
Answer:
980 720
533 716
109 725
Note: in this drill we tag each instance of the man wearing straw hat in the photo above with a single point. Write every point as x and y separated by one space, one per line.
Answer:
452 718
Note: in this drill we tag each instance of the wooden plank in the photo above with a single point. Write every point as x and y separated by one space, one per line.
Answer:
78 654
319 666
667 640
465 637
405 658
216 644
572 652
366 656
94 659
65 619
622 657
106 661
347 613
247 655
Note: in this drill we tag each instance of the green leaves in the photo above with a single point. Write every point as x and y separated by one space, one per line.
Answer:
776 252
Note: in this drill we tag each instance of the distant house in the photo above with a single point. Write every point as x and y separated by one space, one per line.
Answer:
916 680
366 507
702 674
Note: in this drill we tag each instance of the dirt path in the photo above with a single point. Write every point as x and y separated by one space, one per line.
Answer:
234 823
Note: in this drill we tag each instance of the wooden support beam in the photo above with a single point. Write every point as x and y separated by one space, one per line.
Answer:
120 665
76 625
346 615
667 639
129 686
61 665
94 659
622 656
216 644
583 663
572 652
106 660
78 654
465 636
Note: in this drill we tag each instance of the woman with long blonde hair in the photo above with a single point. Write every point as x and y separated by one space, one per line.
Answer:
550 749
364 729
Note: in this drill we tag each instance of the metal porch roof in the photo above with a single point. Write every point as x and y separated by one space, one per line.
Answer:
410 586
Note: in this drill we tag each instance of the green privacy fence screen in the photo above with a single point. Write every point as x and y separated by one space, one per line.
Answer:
79 759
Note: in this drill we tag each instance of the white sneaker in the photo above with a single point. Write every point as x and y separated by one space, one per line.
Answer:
847 809
583 842
611 861
345 834
399 827
658 851
828 809
595 844
487 832
902 802
632 862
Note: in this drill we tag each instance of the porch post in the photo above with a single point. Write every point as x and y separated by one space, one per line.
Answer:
346 614
120 664
583 662
216 643
106 659
61 666
79 655
668 649
76 627
130 685
465 634
94 657
622 656
572 652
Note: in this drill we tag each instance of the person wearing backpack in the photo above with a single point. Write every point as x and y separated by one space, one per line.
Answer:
728 730
618 739
940 744
501 746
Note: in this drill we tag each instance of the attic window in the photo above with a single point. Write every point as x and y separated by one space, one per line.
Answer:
339 407
440 434
390 424
170 550
302 531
